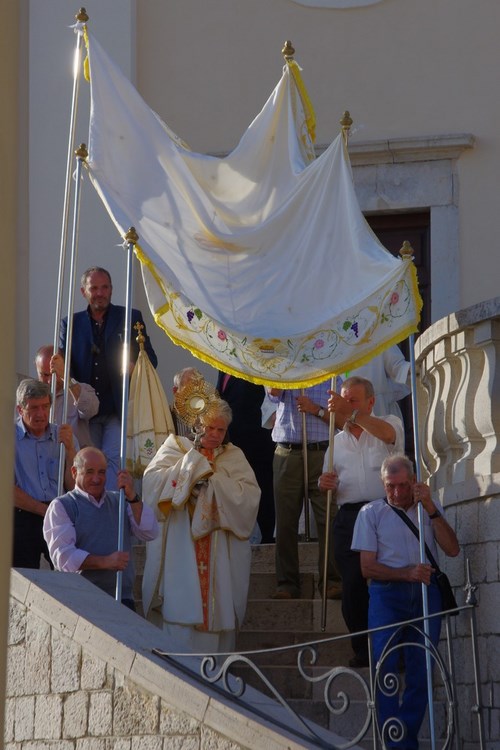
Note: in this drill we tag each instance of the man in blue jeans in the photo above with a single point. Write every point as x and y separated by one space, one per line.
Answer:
390 557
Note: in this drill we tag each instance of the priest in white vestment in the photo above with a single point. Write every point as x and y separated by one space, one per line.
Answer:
197 571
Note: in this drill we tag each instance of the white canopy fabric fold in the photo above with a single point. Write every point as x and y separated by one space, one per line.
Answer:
260 263
149 419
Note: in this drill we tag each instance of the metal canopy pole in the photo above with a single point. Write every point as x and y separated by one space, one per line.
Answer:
131 238
81 155
406 254
305 474
329 499
345 124
81 19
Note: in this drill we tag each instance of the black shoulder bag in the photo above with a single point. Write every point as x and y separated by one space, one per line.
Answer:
447 596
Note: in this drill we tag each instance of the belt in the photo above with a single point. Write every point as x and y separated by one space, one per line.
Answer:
321 446
353 506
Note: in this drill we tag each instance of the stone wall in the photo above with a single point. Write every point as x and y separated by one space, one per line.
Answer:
81 676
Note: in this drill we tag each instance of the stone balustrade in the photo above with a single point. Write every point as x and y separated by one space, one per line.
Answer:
459 403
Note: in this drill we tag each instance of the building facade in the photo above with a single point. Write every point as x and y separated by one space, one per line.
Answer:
420 81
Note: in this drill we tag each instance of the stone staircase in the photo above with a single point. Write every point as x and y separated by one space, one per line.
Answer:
281 624
276 623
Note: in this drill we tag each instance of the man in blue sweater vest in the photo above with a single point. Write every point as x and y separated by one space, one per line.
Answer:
81 527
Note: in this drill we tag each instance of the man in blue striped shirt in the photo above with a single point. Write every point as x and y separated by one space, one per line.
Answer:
288 470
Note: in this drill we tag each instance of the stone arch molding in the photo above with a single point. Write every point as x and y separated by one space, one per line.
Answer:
336 3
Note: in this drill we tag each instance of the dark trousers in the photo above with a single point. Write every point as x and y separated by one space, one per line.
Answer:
29 543
354 586
288 467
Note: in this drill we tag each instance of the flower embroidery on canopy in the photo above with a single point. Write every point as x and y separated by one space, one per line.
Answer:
319 344
394 298
174 483
221 335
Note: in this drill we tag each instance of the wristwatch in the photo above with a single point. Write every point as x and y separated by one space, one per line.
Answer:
136 499
434 515
352 418
320 413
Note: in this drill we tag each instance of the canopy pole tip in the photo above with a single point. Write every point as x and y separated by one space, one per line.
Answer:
131 236
406 251
288 51
81 152
82 16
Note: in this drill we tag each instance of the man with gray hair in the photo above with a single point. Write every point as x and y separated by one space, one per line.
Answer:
83 403
365 441
390 557
36 469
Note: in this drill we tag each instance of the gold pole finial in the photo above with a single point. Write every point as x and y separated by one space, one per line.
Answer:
288 51
131 236
406 251
82 16
345 123
81 152
140 338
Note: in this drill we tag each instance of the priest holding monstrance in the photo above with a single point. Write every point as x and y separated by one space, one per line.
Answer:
206 498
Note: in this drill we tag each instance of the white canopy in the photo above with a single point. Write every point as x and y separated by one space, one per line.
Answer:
260 263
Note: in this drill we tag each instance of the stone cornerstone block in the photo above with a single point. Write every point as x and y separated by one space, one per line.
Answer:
75 715
48 717
100 713
66 664
24 717
135 712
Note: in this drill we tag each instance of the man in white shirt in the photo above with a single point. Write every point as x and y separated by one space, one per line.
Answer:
358 451
83 403
81 527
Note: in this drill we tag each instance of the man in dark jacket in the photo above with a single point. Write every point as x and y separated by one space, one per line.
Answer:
96 359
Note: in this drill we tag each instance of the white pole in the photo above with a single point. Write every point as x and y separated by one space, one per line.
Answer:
81 155
81 19
131 238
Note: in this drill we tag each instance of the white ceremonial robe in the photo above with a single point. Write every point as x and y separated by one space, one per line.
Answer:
197 571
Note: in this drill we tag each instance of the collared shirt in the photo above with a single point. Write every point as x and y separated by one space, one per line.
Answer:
379 529
60 533
79 412
36 466
357 462
288 425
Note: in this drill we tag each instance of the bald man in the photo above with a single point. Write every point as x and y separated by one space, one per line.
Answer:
81 527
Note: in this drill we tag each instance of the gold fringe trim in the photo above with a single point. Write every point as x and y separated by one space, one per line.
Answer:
306 101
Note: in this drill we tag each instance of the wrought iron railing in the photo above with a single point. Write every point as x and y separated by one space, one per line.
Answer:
339 684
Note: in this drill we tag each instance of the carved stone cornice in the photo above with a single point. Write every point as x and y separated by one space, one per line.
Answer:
401 150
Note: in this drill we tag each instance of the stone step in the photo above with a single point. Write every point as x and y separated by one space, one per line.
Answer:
263 585
297 615
263 557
